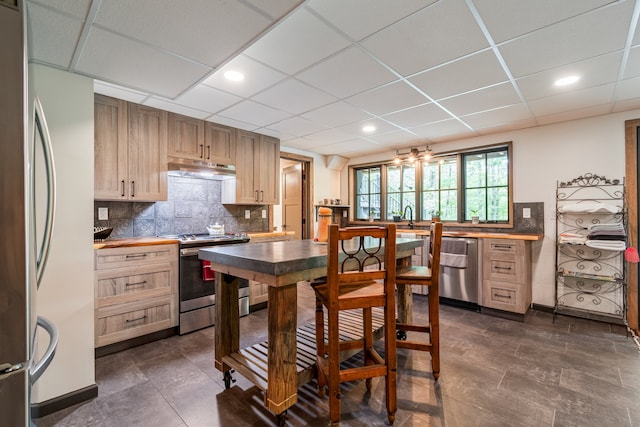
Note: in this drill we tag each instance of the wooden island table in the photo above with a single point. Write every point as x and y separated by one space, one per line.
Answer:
276 367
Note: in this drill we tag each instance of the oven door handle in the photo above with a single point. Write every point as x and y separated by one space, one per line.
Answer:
189 252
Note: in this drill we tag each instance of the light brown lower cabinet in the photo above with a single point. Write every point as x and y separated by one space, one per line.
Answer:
136 292
506 283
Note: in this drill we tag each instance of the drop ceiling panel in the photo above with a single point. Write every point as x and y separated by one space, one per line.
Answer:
443 129
206 98
392 138
330 136
355 128
167 105
53 35
360 18
114 58
347 73
572 100
579 113
389 98
274 8
257 77
260 115
232 122
632 68
484 99
573 40
436 34
313 41
469 73
415 116
499 116
628 89
294 96
336 114
593 72
73 8
187 29
297 126
506 19
350 148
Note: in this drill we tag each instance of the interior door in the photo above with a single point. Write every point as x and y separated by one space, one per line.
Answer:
292 200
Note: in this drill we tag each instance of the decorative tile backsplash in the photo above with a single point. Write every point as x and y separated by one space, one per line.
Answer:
192 205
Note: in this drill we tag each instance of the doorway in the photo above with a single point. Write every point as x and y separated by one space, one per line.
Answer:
295 210
632 170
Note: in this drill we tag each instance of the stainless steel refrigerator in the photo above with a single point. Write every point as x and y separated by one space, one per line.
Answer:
27 205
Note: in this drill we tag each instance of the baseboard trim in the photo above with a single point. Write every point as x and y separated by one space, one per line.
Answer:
134 342
540 307
503 314
56 404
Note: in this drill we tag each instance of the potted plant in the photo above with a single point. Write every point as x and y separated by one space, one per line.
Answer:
475 219
397 216
372 214
435 216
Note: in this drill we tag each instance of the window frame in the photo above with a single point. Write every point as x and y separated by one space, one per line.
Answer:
459 154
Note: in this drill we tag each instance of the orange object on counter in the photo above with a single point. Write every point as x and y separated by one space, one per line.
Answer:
324 219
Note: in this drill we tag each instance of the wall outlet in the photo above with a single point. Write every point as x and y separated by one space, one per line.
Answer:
247 214
103 214
264 213
526 213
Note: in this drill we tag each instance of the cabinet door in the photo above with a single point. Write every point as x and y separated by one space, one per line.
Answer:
269 163
110 148
247 167
147 153
219 144
186 137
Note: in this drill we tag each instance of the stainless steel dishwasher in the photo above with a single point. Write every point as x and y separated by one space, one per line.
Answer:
459 286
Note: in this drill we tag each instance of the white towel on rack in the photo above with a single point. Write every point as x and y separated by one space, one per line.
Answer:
589 207
609 245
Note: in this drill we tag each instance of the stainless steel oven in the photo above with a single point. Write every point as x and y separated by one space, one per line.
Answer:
197 282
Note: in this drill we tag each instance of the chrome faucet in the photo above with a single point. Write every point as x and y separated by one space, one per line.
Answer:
404 216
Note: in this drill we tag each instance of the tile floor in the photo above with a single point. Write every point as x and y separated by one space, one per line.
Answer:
495 372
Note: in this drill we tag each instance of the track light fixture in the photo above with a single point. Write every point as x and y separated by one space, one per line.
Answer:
413 155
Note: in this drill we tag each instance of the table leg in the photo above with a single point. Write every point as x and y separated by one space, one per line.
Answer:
282 378
227 336
405 297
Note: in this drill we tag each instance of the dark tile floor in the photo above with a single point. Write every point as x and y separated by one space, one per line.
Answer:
495 372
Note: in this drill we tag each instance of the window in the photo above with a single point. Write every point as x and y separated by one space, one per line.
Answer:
367 193
401 189
486 185
457 186
440 188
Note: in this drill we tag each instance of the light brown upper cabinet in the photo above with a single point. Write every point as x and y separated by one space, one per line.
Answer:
195 139
257 168
130 151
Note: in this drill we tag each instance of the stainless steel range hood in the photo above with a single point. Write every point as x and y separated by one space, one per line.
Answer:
200 169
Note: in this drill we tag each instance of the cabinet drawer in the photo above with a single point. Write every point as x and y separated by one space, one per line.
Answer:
503 246
136 255
121 285
125 321
502 296
258 292
505 270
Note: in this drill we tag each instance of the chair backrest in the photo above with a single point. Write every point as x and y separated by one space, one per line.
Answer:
357 254
435 244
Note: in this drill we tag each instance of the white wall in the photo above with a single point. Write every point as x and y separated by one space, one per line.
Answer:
542 156
66 292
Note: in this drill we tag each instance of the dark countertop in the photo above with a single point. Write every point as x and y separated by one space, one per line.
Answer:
279 258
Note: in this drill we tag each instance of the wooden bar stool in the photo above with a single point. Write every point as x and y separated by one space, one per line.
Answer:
349 285
426 276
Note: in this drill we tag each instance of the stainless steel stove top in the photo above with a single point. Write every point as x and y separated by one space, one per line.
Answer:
207 239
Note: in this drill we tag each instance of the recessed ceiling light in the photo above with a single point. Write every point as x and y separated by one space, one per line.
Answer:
368 128
234 76
565 81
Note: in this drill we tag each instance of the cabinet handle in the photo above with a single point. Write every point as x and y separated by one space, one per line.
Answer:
202 151
135 256
136 283
261 195
502 247
208 152
502 296
257 199
502 268
133 188
122 188
135 320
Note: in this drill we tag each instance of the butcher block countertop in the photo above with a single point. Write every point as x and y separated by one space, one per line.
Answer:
134 241
478 234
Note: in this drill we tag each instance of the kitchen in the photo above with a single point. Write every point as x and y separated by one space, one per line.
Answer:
68 98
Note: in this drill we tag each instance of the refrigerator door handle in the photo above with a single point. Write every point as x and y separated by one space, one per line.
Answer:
43 131
41 365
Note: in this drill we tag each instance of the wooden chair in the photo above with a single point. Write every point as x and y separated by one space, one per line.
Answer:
350 286
426 276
